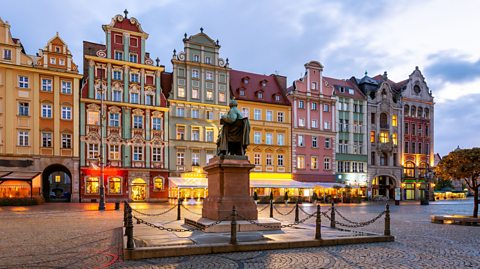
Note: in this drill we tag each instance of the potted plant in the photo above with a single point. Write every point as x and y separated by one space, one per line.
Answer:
285 197
314 197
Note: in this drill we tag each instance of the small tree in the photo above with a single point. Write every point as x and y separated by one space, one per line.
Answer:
462 164
285 197
314 197
443 183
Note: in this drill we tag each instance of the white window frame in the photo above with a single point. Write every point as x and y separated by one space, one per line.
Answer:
47 111
66 141
66 87
47 85
66 113
23 82
137 153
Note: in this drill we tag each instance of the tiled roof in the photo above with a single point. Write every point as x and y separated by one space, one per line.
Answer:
251 89
166 83
347 84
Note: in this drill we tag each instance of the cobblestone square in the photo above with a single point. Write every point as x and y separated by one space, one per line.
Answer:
78 236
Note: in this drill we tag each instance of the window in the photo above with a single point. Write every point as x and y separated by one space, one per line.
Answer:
137 122
181 92
413 148
269 139
301 142
372 136
406 127
114 152
373 158
100 94
280 139
47 111
195 158
92 185
23 109
384 137
180 132
383 159
314 141
134 77
23 82
66 113
158 184
394 139
314 106
209 155
66 141
314 85
327 142
326 125
280 160
372 118
137 153
301 104
209 95
156 154
134 98
269 160
394 120
61 61
195 73
114 185
242 92
413 129
420 148
326 107
46 85
277 98
196 58
7 54
209 134
133 58
280 117
300 162
326 163
66 87
118 55
245 112
196 134
314 124
156 124
195 93
426 130
257 114
427 148
257 138
406 147
180 158
93 152
257 159
195 113
208 60
46 140
209 75
409 169
209 115
301 122
269 115
93 118
117 75
221 97
53 60
148 99
314 162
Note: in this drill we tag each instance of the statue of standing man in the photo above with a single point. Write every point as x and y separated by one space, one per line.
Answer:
234 137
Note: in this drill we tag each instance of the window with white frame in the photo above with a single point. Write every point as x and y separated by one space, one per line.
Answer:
93 117
93 152
114 120
46 85
222 97
314 85
314 106
181 92
326 163
245 112
269 139
327 142
66 112
100 94
156 123
134 77
257 114
195 113
196 133
137 122
156 154
313 162
280 160
23 137
314 141
66 87
326 107
118 55
114 152
133 57
180 112
195 73
180 132
280 139
277 98
46 139
208 60
301 142
46 111
257 159
23 82
209 155
138 153
117 75
209 134
148 99
117 95
66 141
269 159
53 60
195 93
209 95
269 115
134 98
209 75
196 58
326 125
301 122
181 158
314 124
7 54
300 162
301 104
280 117
23 109
195 158
209 115
257 138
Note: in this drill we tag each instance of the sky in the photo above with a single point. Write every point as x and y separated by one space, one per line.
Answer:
348 37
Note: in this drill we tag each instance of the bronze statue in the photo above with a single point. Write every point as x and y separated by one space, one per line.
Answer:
234 137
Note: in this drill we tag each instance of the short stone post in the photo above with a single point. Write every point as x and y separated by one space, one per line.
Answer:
332 216
387 221
233 227
125 215
318 225
296 211
179 203
271 208
129 229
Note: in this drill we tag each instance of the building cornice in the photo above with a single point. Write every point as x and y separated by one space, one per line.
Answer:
95 101
130 64
41 70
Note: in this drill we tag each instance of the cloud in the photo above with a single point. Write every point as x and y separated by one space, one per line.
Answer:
453 69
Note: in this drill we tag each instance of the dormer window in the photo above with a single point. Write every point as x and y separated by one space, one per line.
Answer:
61 61
314 85
277 98
53 60
245 80
260 95
264 83
57 49
242 92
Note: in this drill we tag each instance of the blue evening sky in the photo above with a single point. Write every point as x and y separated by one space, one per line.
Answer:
267 36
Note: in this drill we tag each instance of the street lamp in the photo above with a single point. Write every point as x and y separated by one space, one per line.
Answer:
426 189
101 203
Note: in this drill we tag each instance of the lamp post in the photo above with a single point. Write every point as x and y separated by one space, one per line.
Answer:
101 203
426 195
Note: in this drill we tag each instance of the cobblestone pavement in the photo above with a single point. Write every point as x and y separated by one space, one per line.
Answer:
78 236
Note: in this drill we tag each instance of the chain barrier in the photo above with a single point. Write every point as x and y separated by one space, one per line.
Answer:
178 230
191 211
283 214
276 226
153 214
308 213
355 224
263 209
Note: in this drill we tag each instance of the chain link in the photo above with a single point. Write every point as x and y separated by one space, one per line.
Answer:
276 226
283 214
191 211
153 214
263 209
178 230
357 224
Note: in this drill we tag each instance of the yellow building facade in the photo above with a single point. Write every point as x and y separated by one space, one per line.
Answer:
38 120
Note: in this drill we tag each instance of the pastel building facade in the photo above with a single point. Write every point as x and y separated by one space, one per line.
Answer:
39 120
124 117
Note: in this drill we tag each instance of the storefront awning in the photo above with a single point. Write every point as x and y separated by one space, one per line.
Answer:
278 183
23 176
181 182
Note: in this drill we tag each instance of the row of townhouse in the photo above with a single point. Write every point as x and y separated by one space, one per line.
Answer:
145 133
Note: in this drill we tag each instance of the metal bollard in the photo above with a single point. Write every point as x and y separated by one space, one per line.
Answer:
117 205
332 216
129 230
318 225
125 213
271 208
233 227
387 221
296 211
179 203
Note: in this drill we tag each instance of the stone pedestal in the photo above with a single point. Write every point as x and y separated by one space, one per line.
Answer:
228 186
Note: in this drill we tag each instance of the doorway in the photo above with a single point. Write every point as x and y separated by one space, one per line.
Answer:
138 190
57 183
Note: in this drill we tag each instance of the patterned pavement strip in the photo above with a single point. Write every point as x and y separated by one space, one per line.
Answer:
78 236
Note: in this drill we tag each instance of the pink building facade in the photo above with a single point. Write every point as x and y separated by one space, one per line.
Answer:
313 126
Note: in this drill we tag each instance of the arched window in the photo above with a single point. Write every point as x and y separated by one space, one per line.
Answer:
158 184
406 110
420 112
383 120
92 185
409 169
114 185
422 169
427 113
413 112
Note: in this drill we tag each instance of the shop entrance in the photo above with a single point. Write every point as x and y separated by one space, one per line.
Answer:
57 183
138 190
383 186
